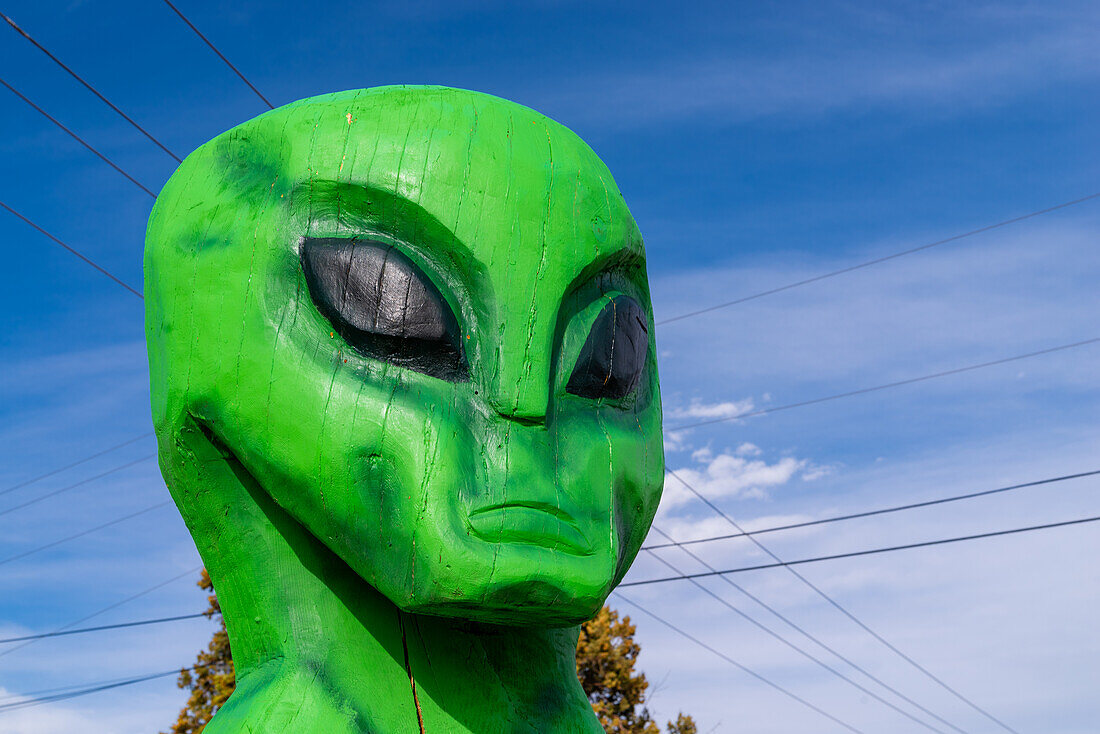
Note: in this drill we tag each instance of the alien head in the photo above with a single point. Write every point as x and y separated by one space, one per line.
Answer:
419 318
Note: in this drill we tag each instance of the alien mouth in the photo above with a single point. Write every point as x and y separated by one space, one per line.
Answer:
531 523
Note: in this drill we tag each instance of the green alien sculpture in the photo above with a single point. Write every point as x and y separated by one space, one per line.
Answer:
405 392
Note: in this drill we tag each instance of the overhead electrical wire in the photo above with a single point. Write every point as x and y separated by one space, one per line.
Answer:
89 87
73 692
840 608
764 411
722 573
8 696
809 656
82 482
878 260
715 572
888 385
76 252
868 513
810 636
744 415
725 304
161 620
102 628
693 577
108 608
676 318
96 688
219 53
690 577
736 664
82 533
78 462
78 139
862 391
872 551
682 316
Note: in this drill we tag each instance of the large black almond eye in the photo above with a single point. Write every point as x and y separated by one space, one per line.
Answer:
614 355
383 305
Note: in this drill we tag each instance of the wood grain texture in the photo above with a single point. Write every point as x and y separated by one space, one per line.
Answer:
398 547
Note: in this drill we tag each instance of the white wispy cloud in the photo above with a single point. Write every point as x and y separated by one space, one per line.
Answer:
701 410
1024 288
729 475
44 719
711 526
148 703
1004 620
952 608
677 440
881 67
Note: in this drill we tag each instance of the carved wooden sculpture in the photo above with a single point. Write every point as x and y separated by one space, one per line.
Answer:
405 391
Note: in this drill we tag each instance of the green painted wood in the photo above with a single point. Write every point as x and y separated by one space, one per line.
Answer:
396 551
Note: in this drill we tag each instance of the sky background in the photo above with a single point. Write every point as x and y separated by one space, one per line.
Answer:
756 144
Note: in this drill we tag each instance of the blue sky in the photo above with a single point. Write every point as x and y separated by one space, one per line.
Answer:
756 144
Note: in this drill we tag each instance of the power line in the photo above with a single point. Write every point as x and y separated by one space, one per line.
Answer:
109 607
869 513
76 463
876 388
690 577
76 252
82 533
736 664
871 551
149 677
772 633
103 628
8 696
879 260
675 318
813 638
219 53
116 683
161 620
840 608
89 87
81 483
28 703
78 139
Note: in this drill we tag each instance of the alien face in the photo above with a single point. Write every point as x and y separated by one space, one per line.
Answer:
419 318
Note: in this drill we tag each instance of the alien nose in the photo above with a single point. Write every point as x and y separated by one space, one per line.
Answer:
525 420
519 406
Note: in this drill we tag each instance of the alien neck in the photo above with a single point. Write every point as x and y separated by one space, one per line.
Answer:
317 649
